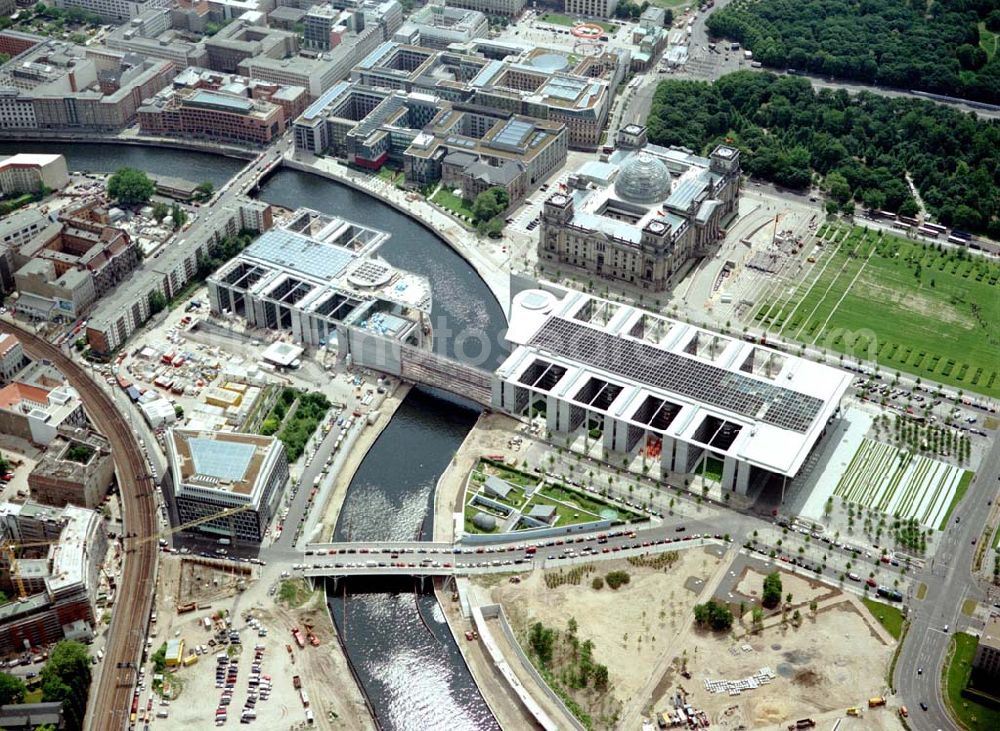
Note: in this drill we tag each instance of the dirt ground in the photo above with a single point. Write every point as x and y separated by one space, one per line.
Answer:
833 661
334 698
205 583
631 628
803 591
490 435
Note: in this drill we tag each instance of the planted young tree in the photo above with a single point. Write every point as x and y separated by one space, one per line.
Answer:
771 595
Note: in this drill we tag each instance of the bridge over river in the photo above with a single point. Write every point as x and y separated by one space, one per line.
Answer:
464 559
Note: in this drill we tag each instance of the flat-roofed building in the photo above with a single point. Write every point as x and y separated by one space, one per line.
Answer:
116 10
318 277
62 578
987 657
591 8
511 8
212 472
76 469
28 173
35 414
439 26
660 395
216 115
642 217
547 85
240 41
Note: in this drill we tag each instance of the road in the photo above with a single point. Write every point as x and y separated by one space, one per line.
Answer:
949 583
110 703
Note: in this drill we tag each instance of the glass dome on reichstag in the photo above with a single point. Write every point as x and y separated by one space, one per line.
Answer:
643 178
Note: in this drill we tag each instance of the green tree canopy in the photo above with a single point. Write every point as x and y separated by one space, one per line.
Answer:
713 615
130 187
12 689
771 595
66 678
204 191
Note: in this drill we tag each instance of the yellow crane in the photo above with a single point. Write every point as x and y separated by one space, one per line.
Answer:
8 548
229 512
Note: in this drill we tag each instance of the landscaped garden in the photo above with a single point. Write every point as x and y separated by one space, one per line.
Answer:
971 715
518 492
900 483
294 417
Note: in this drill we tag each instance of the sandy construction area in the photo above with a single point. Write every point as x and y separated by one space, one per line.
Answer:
632 628
833 661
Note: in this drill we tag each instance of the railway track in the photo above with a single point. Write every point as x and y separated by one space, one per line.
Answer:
110 704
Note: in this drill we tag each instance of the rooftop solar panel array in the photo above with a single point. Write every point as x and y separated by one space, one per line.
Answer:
646 364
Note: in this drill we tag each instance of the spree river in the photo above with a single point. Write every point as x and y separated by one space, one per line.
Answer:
396 636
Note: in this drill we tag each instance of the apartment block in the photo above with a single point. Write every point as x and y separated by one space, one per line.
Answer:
76 469
28 173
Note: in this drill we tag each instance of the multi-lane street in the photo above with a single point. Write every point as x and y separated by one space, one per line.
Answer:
949 582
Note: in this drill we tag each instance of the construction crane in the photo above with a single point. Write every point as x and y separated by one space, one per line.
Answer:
228 513
8 549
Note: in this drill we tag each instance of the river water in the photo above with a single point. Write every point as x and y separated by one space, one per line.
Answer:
395 633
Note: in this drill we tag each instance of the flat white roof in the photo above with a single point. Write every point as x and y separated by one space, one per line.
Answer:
281 353
771 406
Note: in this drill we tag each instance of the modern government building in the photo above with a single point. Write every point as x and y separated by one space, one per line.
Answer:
640 386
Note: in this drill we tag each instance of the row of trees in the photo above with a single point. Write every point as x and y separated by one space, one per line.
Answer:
861 147
900 43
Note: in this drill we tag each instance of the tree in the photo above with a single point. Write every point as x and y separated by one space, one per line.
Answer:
66 678
179 216
160 210
157 302
130 187
12 689
489 203
713 615
601 677
757 618
204 191
771 595
541 639
616 579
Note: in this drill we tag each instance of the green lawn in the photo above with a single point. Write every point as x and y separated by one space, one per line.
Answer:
446 199
670 3
903 303
470 527
888 616
988 41
565 20
33 696
963 487
567 515
585 501
970 715
511 475
389 174
712 469
515 498
996 538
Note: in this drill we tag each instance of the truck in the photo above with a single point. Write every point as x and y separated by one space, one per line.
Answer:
304 697
296 682
189 607
877 701
298 638
802 723
854 711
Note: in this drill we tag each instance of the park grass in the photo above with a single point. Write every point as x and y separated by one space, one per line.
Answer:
457 205
470 527
865 298
509 474
963 487
712 469
988 41
584 501
566 514
969 607
33 696
996 538
887 615
568 22
969 714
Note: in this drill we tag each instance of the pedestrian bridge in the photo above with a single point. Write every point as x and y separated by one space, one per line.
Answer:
430 369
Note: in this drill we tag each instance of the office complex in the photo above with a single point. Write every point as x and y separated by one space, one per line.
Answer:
112 10
76 469
643 215
541 84
318 277
241 40
27 173
437 26
464 146
591 8
54 85
511 8
151 34
207 105
640 388
212 472
60 580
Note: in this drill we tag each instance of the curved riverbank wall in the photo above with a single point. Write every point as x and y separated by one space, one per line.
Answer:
501 291
212 148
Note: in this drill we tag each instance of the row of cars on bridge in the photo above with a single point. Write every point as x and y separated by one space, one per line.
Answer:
522 552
